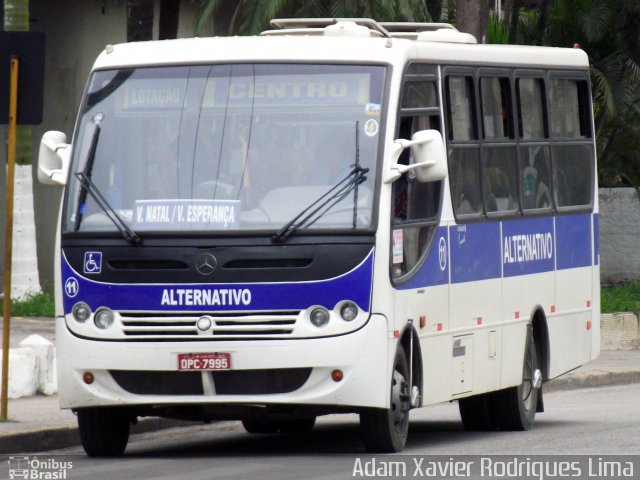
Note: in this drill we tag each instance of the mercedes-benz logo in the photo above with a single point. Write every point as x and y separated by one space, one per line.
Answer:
206 264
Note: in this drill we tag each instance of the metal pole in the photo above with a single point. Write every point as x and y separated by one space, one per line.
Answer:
11 163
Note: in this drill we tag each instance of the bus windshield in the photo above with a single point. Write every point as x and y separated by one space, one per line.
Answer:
225 147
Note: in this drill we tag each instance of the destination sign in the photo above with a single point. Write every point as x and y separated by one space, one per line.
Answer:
271 90
185 214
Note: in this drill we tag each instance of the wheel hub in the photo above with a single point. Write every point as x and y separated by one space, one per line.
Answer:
400 398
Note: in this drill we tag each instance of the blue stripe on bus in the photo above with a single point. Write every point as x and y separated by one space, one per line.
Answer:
435 270
528 246
475 252
354 285
573 241
596 237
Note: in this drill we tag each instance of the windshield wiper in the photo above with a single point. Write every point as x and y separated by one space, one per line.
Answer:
314 211
87 186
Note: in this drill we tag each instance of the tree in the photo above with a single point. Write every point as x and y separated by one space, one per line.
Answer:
140 20
608 31
472 16
168 21
248 17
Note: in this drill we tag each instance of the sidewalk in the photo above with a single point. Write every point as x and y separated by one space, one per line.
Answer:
37 424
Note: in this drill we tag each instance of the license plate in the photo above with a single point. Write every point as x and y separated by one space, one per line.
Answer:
204 361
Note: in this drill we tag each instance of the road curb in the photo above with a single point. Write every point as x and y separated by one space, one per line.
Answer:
593 379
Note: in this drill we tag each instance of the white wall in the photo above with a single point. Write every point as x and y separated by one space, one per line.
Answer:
619 235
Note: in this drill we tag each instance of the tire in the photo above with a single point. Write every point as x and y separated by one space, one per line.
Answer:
478 412
259 425
294 425
104 432
386 430
516 407
297 425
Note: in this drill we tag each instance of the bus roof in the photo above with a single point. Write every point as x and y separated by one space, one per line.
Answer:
315 45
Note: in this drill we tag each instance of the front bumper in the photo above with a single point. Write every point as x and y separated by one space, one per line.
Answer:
363 356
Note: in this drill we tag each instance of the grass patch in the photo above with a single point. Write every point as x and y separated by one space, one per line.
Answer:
33 305
620 298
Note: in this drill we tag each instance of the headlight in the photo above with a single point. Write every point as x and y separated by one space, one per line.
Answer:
349 311
319 316
103 318
81 312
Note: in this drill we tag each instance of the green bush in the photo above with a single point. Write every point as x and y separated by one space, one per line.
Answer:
620 298
33 305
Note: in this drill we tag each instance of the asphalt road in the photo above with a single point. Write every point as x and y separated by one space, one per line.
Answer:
595 422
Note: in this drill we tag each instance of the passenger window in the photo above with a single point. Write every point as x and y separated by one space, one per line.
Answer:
499 179
535 176
416 209
535 179
573 175
417 205
569 105
496 101
531 118
461 111
419 95
464 167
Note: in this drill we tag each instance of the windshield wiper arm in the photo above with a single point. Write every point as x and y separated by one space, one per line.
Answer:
87 186
86 171
315 210
90 187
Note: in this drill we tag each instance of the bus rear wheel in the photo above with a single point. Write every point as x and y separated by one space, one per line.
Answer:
104 431
516 407
478 412
510 409
386 430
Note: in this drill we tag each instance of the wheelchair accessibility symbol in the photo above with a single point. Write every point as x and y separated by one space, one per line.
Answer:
71 287
92 262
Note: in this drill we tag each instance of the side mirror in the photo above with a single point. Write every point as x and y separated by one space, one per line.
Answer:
427 149
54 158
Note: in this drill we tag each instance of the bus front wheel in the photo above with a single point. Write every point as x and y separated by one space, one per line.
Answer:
385 430
104 431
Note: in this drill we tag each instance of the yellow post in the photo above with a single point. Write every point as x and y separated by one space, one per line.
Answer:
11 163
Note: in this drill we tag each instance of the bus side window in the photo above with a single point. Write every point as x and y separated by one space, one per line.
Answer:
416 205
535 178
460 118
573 175
464 167
572 166
464 152
499 177
568 101
496 121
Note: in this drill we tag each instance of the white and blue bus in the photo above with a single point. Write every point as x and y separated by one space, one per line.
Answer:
331 217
